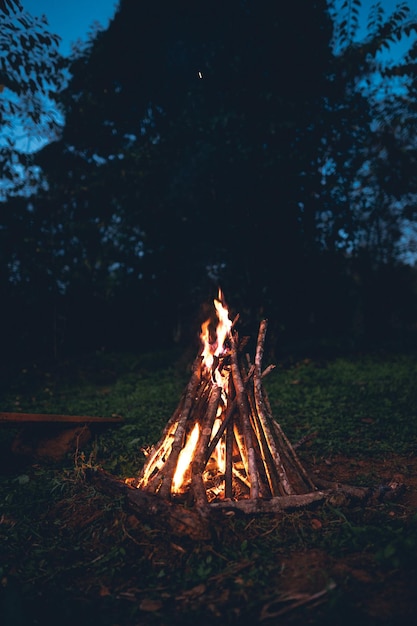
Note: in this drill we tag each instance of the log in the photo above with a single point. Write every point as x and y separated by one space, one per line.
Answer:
150 507
169 468
273 505
334 493
199 462
49 436
50 442
381 493
194 522
18 419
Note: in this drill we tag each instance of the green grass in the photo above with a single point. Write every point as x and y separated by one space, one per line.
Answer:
71 554
363 406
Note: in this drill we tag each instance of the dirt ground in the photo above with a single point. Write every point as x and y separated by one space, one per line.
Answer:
308 586
378 595
309 580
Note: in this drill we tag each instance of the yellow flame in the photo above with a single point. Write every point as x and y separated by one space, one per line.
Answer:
184 460
157 459
207 353
224 326
217 347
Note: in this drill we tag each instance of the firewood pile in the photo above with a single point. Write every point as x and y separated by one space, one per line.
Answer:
222 443
222 447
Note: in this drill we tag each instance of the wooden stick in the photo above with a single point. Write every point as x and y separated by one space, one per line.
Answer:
243 479
228 476
266 456
288 443
267 370
246 427
231 407
285 485
199 462
347 493
274 505
177 444
359 493
213 443
159 449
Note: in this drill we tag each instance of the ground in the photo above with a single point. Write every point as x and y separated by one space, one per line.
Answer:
70 553
106 564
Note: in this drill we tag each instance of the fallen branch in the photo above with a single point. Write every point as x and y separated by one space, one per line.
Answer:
335 493
296 599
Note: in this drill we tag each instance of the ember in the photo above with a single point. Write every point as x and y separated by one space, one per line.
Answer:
222 445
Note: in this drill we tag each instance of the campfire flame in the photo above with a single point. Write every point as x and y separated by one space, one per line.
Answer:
182 473
216 348
213 346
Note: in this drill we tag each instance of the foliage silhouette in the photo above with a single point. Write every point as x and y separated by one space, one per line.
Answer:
31 71
232 144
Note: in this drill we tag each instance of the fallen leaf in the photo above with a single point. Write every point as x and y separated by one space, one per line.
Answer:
196 591
104 591
316 524
150 605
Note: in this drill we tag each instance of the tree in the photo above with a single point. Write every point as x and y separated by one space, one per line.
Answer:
201 175
369 152
31 71
210 143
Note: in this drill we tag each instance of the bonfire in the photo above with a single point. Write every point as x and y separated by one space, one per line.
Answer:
222 446
222 449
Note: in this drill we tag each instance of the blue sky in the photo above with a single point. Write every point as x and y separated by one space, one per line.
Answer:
71 20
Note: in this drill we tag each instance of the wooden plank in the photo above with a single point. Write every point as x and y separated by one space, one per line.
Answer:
48 418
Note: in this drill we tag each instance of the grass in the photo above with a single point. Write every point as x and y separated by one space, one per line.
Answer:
364 406
69 553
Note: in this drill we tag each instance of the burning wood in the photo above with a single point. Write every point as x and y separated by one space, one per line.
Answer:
221 446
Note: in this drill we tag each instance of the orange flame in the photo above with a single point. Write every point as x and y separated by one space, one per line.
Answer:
184 461
217 347
225 324
157 459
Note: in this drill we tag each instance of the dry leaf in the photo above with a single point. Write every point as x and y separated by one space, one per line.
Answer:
104 591
316 523
150 605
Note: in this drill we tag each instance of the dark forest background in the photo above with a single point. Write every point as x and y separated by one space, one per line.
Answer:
266 147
